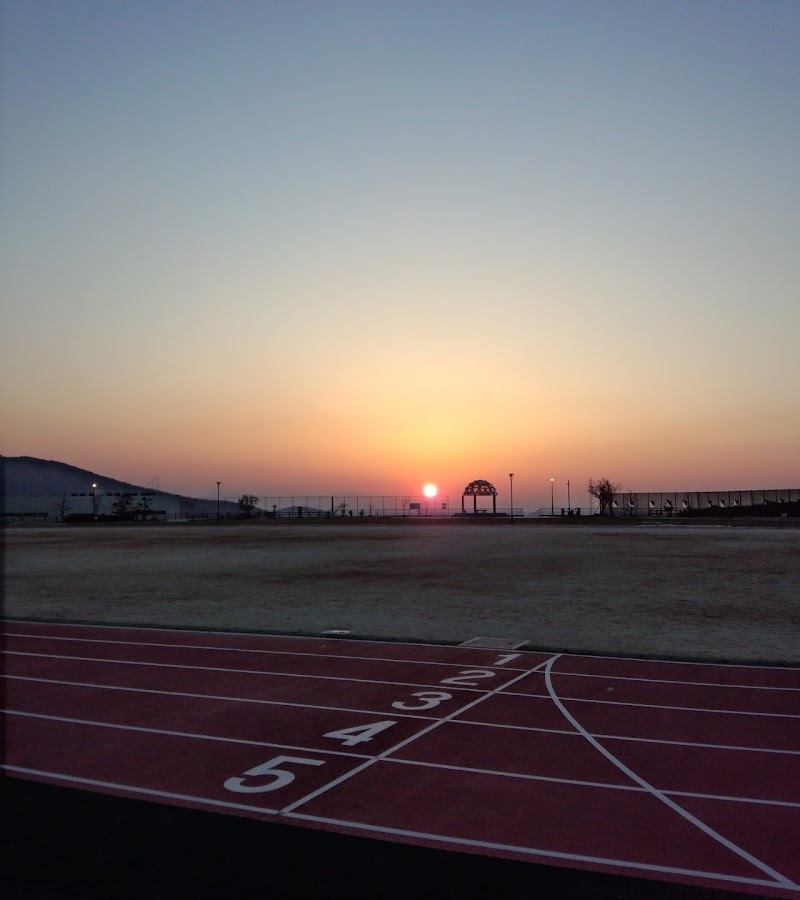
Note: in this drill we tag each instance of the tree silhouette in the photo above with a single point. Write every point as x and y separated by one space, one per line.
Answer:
122 504
63 504
247 503
143 507
603 490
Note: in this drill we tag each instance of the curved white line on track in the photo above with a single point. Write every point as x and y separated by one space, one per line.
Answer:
781 880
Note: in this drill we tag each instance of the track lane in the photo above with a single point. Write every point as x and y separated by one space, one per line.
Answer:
500 752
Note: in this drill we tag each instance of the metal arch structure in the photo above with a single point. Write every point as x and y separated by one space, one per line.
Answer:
479 488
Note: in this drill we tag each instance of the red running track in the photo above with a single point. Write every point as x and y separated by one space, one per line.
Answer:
680 772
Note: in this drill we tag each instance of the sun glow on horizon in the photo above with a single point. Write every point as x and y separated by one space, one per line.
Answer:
430 490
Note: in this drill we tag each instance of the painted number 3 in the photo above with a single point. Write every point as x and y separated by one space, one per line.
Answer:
428 699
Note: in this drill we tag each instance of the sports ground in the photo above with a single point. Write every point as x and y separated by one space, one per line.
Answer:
167 761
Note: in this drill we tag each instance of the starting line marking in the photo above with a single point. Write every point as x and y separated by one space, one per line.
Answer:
293 806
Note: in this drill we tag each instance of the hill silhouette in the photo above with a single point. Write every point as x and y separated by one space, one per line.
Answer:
31 485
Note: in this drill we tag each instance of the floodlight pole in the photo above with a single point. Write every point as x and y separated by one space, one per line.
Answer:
552 501
218 484
511 479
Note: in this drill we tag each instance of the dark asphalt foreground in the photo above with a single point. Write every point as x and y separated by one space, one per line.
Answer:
67 844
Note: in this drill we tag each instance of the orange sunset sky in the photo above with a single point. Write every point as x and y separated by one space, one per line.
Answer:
357 247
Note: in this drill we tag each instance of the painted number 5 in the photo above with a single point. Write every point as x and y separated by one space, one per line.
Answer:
279 777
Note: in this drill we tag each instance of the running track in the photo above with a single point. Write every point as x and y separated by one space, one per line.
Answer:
679 772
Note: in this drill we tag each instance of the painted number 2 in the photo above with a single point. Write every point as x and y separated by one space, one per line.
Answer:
469 677
279 777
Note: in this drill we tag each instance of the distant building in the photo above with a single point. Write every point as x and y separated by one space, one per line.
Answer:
772 502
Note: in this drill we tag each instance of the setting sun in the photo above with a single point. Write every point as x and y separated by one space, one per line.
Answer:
429 490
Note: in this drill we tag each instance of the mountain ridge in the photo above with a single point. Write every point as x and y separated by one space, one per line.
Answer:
33 485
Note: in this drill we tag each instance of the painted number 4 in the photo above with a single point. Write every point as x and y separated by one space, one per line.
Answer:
359 733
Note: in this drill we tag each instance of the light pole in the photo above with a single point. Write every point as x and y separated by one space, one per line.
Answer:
218 484
511 479
569 502
552 501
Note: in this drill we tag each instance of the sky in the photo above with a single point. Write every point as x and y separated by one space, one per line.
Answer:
344 246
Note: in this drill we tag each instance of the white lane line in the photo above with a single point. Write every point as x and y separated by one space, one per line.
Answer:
726 712
519 776
394 832
397 714
181 734
127 789
337 781
425 764
300 637
703 746
207 647
406 762
131 662
680 662
294 637
674 681
782 880
533 852
755 801
227 699
624 737
457 722
157 665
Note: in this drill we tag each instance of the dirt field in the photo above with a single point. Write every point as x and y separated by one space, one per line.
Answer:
687 591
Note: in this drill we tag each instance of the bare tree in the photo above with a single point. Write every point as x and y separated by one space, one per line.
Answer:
121 506
63 504
342 508
603 490
143 508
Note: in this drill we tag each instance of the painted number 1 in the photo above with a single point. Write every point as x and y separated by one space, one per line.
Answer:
505 658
